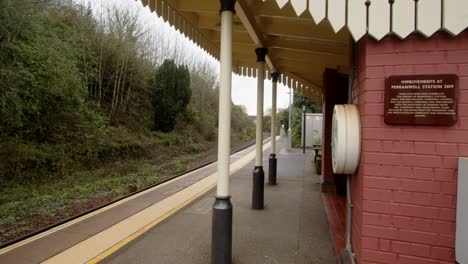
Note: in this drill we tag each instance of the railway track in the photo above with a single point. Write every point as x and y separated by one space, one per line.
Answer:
117 200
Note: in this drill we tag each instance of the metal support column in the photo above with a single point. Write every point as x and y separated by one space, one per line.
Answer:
221 237
304 129
291 92
273 161
258 174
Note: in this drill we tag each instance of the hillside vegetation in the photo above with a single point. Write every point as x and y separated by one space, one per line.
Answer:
83 110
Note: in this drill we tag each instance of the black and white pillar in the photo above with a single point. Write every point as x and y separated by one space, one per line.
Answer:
273 161
258 174
221 238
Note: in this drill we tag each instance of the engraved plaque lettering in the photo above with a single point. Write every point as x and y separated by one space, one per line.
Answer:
421 100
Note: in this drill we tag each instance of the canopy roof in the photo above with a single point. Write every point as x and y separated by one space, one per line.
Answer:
306 36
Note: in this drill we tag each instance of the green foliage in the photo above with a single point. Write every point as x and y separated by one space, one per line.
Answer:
43 94
241 124
115 67
171 94
283 117
296 126
79 91
79 96
311 106
40 78
203 107
297 113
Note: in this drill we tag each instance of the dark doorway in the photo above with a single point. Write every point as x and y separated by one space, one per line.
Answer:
341 98
335 92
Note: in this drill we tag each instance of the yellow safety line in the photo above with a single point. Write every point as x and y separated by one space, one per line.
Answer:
143 230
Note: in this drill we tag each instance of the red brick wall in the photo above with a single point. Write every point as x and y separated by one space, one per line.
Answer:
405 189
357 180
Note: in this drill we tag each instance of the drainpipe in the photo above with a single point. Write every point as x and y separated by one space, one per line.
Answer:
349 213
221 236
258 174
304 129
273 161
290 118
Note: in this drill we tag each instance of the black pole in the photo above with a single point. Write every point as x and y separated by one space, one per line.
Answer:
272 170
221 236
258 188
304 131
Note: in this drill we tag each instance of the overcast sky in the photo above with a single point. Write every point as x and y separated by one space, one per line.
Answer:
244 89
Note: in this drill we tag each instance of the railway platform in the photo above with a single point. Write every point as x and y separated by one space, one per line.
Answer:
171 223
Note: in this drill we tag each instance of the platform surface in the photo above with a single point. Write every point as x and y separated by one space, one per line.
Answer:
292 228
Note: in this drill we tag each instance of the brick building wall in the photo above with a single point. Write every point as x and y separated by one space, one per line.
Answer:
405 189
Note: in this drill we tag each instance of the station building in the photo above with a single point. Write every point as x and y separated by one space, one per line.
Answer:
402 64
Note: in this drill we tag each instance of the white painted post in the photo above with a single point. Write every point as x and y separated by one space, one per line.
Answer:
273 116
224 124
259 132
221 235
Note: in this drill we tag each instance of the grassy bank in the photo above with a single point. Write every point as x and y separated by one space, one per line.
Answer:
31 204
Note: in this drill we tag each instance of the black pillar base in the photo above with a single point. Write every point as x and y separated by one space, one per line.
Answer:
258 186
221 234
272 170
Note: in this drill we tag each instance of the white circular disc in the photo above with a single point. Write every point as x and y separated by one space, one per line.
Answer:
346 139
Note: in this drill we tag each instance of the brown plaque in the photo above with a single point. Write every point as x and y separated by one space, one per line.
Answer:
421 100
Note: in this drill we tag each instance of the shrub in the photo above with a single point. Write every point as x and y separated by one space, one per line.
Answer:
171 94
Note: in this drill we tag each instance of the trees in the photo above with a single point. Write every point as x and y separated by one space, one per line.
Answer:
78 90
72 77
283 117
42 89
241 123
204 102
311 106
115 63
297 112
171 94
